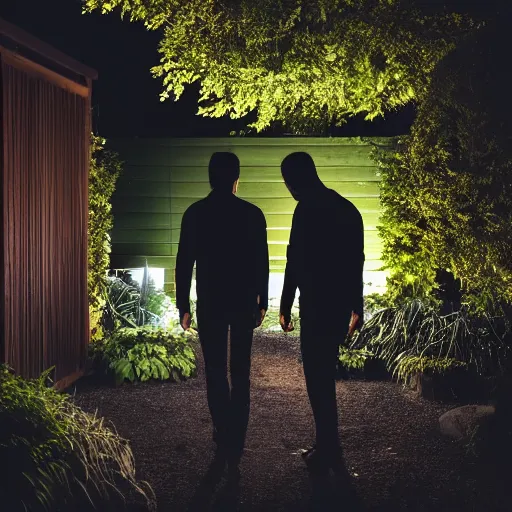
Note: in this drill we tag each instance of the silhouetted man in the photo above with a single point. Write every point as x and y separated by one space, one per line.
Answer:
325 259
226 238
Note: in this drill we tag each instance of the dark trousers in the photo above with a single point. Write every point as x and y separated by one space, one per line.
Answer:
229 406
319 346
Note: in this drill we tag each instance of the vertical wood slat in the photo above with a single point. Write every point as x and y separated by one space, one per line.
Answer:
2 217
44 218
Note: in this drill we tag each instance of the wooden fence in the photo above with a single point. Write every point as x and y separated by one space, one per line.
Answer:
45 128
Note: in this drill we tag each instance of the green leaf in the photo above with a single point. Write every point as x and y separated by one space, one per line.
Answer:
122 369
304 64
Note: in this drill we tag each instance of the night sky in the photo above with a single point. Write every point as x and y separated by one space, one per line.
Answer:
126 97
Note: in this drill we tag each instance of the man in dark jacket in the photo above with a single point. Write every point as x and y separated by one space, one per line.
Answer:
226 238
325 259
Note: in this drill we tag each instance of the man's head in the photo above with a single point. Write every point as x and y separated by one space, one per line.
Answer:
299 173
224 171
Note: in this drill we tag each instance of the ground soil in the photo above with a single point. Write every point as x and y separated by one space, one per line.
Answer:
393 449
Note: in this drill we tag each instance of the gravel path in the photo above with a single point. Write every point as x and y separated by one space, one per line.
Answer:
393 449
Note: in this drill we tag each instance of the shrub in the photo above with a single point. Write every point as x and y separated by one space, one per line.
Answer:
56 456
446 189
124 307
103 173
129 304
143 354
353 359
416 335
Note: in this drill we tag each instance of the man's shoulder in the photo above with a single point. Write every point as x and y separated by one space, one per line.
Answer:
195 207
346 205
248 207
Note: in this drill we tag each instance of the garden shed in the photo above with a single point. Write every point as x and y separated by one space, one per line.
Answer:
45 99
162 177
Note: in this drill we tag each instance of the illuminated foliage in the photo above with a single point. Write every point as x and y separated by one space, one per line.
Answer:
416 337
60 457
146 353
303 63
447 189
103 173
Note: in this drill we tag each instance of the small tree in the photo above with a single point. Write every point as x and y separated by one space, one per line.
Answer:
103 173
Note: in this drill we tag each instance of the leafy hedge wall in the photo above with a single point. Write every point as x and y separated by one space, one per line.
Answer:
103 173
447 187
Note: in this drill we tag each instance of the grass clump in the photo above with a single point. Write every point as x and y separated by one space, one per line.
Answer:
57 456
415 337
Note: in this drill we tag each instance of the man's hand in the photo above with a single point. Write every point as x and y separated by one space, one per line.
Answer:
286 323
185 321
354 320
263 312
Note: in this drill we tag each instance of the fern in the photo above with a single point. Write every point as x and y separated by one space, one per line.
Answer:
142 354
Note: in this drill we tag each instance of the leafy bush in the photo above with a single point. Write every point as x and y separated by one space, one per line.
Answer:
143 354
129 304
353 358
416 334
56 456
103 173
124 306
446 189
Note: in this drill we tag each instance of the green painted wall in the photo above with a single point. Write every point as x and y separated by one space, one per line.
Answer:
162 177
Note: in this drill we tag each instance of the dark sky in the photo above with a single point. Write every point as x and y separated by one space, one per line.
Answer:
126 96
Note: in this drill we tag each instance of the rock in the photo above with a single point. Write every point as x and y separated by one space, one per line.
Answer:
460 422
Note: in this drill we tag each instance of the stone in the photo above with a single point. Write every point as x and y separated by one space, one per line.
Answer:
461 422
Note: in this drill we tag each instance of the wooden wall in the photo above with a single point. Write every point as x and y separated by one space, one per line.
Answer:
45 129
162 177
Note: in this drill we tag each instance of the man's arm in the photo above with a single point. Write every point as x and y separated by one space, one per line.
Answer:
290 274
185 260
262 261
359 258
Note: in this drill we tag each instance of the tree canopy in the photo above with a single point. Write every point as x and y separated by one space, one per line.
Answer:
303 63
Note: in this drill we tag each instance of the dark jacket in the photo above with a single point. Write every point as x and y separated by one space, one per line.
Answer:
325 255
226 238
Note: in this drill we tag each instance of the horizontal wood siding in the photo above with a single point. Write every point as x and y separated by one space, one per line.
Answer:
163 177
